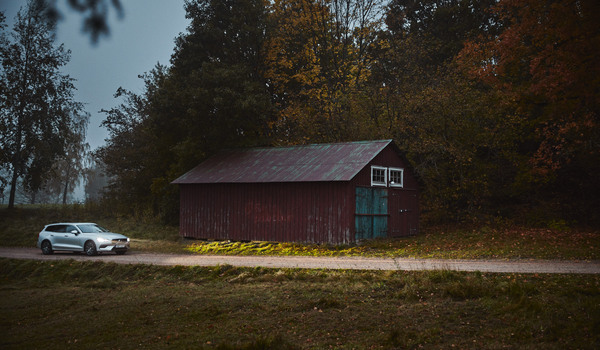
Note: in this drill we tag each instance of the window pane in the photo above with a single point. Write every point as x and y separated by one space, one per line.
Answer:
92 229
396 177
378 176
55 228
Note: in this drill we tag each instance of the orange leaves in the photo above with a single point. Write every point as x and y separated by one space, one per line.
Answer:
544 66
545 46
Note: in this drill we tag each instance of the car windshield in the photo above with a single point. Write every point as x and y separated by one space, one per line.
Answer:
89 228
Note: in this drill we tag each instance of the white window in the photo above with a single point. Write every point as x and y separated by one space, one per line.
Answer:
378 176
396 177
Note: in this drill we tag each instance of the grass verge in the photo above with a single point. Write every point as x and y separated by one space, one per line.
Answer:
69 304
442 243
20 228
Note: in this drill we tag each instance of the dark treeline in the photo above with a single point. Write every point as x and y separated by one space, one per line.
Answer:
495 103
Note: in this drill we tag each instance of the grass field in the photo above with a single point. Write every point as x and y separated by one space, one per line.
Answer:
68 304
20 228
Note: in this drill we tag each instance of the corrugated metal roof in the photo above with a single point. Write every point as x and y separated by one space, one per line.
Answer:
307 163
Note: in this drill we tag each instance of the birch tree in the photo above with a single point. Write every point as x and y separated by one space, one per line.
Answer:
38 113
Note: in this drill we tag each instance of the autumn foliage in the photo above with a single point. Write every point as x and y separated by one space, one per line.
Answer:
545 63
545 66
495 103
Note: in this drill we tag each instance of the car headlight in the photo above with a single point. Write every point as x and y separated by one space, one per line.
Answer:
127 239
103 240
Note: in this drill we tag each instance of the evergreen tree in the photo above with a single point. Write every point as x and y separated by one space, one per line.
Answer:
213 96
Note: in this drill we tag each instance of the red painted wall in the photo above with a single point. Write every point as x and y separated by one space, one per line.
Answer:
285 212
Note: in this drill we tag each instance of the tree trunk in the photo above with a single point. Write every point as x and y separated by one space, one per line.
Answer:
13 189
64 199
68 174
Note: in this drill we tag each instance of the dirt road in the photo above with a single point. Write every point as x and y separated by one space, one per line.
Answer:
353 263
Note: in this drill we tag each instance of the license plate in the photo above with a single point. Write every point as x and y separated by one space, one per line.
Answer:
120 246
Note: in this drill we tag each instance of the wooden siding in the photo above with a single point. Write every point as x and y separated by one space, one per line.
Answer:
286 212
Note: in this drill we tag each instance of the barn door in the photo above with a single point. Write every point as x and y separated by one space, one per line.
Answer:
371 215
404 213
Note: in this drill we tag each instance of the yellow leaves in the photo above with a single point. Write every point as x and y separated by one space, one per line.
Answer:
316 68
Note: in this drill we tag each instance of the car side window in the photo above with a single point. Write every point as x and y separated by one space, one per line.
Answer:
70 228
56 228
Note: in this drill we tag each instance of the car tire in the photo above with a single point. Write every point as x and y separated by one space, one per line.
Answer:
47 248
90 248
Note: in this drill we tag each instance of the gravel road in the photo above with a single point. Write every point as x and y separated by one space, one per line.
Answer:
353 263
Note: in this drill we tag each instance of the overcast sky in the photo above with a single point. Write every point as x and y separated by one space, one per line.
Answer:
143 37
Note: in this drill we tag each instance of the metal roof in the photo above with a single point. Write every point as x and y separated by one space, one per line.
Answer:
307 163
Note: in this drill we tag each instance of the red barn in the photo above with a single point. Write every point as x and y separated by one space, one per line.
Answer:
322 193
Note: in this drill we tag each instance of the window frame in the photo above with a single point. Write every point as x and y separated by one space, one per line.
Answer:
401 171
385 175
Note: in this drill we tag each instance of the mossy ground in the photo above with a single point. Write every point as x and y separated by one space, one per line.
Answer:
439 242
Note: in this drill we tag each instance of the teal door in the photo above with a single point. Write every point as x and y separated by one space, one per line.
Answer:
371 215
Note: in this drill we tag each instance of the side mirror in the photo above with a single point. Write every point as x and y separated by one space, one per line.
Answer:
75 232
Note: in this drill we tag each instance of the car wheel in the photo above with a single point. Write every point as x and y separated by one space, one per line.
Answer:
90 248
120 252
47 248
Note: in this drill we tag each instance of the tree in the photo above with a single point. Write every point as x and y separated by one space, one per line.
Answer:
128 158
95 181
38 112
213 96
317 63
545 65
452 131
439 28
216 82
4 157
68 171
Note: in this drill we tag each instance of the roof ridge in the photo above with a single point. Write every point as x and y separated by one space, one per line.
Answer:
331 143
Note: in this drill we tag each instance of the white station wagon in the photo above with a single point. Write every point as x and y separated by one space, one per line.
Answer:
81 237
